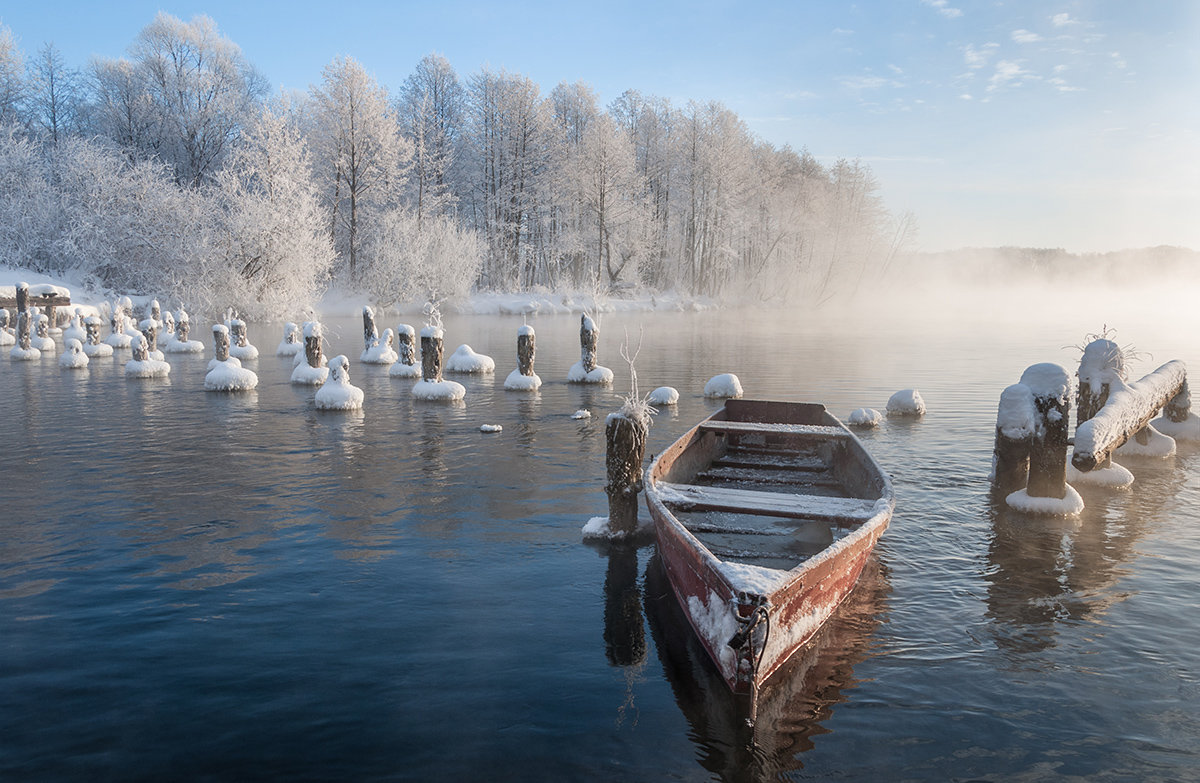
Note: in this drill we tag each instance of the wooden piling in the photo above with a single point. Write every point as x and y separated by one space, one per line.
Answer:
183 328
589 339
404 344
312 343
625 438
220 342
141 351
91 326
237 328
22 298
431 355
1015 424
1126 414
1050 387
370 333
24 336
149 330
525 350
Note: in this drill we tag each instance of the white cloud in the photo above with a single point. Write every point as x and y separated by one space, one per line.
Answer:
868 82
842 31
1119 61
978 58
966 96
943 8
1062 20
1008 73
1025 36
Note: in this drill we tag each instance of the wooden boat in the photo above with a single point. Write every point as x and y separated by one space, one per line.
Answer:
765 514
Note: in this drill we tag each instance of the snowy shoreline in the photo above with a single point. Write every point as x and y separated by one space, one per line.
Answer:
338 301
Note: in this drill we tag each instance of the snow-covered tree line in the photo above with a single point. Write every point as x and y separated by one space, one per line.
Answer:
171 171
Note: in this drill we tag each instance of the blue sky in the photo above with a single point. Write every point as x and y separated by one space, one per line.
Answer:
1069 124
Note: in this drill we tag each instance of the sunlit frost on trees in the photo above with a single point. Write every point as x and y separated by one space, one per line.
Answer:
162 173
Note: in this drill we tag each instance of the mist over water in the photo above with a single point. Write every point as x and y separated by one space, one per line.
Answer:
198 586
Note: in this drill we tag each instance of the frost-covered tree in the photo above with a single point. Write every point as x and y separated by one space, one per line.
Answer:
510 133
122 110
53 95
359 155
430 108
272 255
609 190
12 81
202 89
415 261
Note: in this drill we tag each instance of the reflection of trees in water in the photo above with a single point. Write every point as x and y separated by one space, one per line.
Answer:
1050 570
794 703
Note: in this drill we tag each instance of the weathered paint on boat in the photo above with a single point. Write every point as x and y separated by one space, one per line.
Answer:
722 598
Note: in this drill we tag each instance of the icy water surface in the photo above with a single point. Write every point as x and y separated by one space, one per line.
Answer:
198 586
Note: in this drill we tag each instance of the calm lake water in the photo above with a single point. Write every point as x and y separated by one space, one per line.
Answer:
201 586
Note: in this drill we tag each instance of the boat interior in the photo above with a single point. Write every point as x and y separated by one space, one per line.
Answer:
769 484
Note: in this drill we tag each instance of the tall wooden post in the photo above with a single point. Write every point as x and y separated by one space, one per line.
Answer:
370 333
405 346
22 297
220 342
431 354
1015 426
312 343
589 338
237 328
525 350
625 437
24 336
1048 453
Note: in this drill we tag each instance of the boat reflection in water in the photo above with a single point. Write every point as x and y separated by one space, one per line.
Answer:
792 705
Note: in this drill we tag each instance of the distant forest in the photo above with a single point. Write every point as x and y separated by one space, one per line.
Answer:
1020 266
173 172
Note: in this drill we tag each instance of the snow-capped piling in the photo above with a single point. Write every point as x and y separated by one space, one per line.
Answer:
168 324
431 354
1016 422
586 370
73 358
625 435
526 348
290 344
93 346
1129 409
24 349
240 347
312 343
589 340
1050 389
406 363
370 333
1102 364
142 365
524 378
41 333
312 371
149 329
220 342
155 310
338 394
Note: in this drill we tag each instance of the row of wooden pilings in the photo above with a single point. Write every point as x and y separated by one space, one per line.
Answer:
1033 422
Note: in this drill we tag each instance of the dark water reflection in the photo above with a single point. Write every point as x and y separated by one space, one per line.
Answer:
199 586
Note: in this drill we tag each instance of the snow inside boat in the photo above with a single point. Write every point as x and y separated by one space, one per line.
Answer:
765 513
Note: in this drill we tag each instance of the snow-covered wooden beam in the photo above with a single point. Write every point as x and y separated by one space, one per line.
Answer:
1129 408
